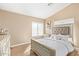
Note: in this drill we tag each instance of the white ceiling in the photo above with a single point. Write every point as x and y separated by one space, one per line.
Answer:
39 10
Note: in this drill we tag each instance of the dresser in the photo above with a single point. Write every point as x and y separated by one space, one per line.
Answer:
5 45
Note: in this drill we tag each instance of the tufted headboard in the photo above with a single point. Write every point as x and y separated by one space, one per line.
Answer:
61 30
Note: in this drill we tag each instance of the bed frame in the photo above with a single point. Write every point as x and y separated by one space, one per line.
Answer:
41 50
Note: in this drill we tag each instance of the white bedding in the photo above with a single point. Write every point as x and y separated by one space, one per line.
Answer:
62 47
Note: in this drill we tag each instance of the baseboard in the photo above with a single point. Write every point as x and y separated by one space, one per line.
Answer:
19 45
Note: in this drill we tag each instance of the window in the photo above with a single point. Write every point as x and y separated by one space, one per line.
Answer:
37 28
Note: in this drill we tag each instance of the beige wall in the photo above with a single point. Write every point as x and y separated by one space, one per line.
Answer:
20 26
72 11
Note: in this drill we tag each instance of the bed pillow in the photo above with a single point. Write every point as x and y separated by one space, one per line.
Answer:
61 37
53 37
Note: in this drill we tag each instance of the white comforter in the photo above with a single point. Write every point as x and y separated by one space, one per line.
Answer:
62 47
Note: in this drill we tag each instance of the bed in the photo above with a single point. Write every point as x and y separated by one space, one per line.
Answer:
58 44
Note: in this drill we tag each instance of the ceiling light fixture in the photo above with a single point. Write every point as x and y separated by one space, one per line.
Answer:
50 4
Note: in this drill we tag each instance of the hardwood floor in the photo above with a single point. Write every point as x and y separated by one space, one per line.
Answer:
22 50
